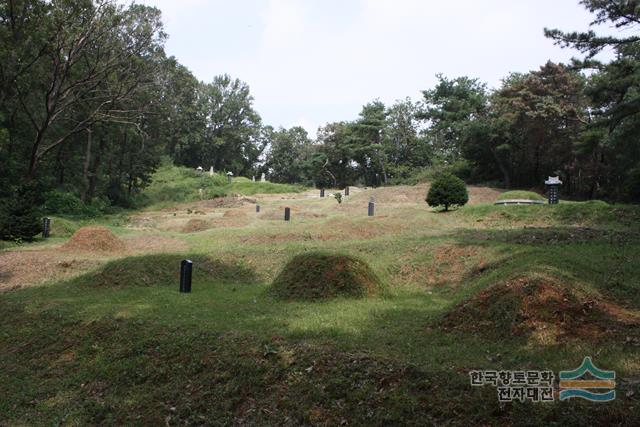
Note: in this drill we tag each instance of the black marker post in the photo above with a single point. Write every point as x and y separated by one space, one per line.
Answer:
186 267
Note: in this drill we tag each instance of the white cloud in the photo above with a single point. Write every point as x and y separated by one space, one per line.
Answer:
314 61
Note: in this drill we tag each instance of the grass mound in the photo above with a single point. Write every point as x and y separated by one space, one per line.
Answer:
164 269
94 239
63 227
519 194
541 308
176 184
318 275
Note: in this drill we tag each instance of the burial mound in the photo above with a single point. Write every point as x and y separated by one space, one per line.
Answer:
318 275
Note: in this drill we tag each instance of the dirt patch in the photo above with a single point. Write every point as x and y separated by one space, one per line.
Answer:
195 225
368 228
234 213
277 214
94 239
219 202
334 229
141 222
22 268
479 195
400 194
449 266
155 244
544 309
19 269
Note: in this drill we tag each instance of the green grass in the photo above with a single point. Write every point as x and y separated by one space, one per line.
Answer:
120 345
176 184
592 212
520 194
247 187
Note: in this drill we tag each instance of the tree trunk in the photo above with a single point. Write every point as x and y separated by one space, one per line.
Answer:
384 171
503 168
60 165
85 169
93 175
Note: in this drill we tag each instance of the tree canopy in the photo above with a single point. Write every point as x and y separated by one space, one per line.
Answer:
90 105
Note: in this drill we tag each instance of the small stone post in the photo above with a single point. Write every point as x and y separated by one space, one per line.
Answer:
186 268
322 192
372 206
46 227
287 214
257 208
346 190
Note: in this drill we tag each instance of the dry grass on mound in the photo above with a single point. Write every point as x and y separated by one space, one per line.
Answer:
195 225
450 265
221 202
362 228
234 213
94 239
155 244
317 275
544 309
479 195
20 269
399 194
407 194
297 212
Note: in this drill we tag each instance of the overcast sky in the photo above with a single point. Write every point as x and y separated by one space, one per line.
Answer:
309 62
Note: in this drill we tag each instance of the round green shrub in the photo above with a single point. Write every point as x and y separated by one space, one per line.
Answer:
447 190
319 275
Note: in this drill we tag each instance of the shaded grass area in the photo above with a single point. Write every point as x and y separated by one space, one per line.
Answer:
120 345
119 371
161 270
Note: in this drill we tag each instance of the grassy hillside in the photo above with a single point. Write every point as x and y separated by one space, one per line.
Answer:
177 184
485 287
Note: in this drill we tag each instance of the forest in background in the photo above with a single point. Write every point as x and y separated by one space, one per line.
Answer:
91 105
